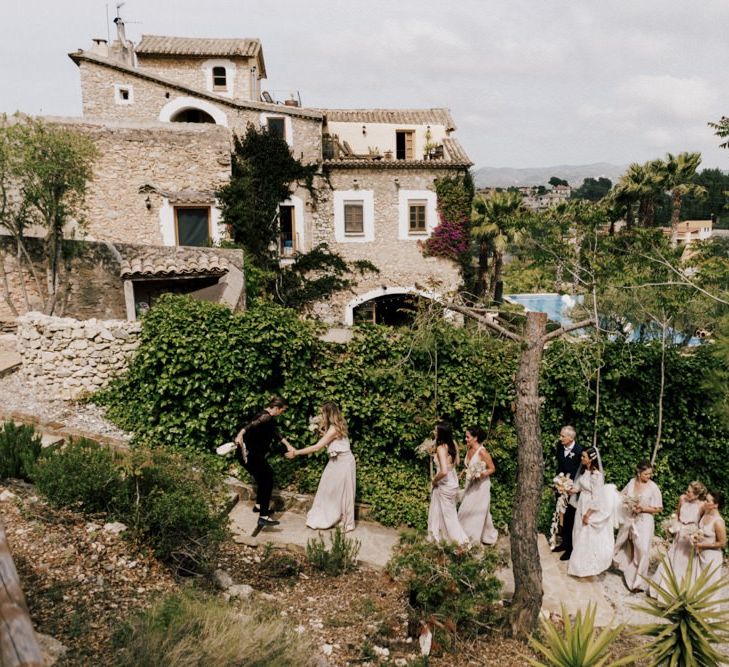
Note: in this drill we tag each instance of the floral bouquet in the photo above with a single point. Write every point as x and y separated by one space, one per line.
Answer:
693 533
631 504
563 483
315 423
671 525
474 469
426 448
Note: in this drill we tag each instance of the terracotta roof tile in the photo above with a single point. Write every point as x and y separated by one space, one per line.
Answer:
193 46
162 262
392 116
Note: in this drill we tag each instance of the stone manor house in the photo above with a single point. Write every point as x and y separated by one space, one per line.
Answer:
163 113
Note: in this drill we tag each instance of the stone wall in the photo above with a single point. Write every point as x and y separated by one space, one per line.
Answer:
150 97
94 286
70 358
401 262
171 157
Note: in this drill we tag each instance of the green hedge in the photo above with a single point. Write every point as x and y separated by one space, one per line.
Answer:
202 370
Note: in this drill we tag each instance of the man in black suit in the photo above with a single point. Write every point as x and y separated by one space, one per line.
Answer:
255 442
568 454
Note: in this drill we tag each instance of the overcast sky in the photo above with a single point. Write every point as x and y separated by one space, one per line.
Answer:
529 82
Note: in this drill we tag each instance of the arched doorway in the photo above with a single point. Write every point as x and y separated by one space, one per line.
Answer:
192 116
394 306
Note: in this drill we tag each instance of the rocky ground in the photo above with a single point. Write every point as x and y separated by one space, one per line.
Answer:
81 581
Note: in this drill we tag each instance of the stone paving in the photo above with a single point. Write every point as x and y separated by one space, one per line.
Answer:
377 543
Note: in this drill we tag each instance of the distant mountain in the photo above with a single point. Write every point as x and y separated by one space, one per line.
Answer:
503 177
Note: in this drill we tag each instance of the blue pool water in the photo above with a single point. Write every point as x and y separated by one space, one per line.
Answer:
555 305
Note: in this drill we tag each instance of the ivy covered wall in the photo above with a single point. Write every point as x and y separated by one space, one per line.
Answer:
201 371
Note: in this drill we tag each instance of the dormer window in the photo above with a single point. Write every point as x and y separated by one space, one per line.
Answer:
220 78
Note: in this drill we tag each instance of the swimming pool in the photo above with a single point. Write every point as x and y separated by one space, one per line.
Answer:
557 306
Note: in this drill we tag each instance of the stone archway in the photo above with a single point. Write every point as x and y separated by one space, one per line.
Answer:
192 110
393 303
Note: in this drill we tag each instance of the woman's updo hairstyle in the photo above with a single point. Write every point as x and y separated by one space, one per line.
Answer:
478 433
591 454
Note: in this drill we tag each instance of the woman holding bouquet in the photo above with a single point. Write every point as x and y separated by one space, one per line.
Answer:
711 540
592 535
642 500
334 500
475 510
443 521
689 511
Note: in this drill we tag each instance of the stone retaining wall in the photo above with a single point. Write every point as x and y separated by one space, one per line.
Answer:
72 357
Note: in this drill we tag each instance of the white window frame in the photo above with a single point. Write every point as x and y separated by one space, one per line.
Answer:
288 127
230 74
299 241
367 197
431 214
118 99
180 103
168 228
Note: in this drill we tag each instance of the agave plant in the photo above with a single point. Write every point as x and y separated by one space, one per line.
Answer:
578 644
691 618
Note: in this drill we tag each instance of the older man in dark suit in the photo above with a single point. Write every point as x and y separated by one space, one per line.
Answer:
568 454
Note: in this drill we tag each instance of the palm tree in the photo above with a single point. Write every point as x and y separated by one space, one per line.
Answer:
676 174
640 183
496 224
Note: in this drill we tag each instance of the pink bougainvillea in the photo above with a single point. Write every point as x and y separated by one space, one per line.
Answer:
450 239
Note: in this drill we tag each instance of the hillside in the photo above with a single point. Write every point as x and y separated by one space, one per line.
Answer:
574 174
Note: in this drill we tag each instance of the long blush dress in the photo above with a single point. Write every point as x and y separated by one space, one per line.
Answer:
475 510
711 559
443 524
680 551
633 544
334 500
592 544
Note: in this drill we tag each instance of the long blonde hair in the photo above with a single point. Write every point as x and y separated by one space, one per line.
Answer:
331 416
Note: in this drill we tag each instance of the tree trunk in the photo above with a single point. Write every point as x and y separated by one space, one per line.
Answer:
659 431
675 215
6 286
498 265
528 592
483 269
21 277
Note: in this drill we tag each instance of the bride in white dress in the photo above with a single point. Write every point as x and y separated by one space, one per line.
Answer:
334 500
593 540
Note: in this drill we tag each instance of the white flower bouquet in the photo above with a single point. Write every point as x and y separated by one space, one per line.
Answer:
631 504
671 525
563 483
474 469
426 448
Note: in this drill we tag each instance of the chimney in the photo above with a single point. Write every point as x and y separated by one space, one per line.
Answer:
124 50
100 47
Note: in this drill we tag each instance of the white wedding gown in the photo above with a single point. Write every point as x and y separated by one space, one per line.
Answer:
592 544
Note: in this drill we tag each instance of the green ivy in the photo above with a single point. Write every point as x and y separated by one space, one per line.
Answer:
201 371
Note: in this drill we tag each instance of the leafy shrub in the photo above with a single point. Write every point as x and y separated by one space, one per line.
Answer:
81 474
20 447
188 631
279 564
447 583
201 371
578 644
691 623
340 557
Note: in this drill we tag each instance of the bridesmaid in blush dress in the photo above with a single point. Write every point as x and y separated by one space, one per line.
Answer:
710 546
689 511
633 544
334 500
475 510
443 524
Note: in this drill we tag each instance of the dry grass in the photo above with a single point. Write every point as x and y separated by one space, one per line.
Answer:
189 630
